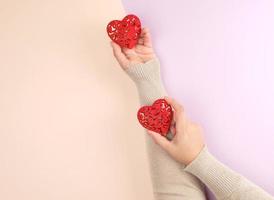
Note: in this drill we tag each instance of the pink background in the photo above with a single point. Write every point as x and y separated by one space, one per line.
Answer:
218 61
68 126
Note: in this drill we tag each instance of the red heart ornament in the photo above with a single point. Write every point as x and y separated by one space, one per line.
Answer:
126 32
156 117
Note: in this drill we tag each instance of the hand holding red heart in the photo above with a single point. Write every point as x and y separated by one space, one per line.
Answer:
131 44
141 53
157 117
125 32
188 140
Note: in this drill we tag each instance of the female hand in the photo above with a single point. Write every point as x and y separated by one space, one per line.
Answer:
188 141
141 53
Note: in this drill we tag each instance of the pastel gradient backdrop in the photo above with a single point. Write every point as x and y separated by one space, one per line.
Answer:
68 127
218 60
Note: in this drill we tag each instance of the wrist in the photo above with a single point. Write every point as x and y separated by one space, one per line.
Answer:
148 71
195 156
218 177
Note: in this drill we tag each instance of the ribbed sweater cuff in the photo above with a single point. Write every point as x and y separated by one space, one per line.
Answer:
149 70
147 78
218 177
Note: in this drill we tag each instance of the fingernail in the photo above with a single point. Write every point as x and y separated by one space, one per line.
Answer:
169 136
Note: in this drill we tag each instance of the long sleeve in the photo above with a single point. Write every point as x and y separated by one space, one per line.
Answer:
147 78
222 181
170 181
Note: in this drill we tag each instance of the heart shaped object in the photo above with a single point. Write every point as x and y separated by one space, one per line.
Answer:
156 117
126 32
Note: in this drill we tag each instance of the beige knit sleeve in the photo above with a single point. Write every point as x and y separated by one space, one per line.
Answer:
222 181
170 181
147 78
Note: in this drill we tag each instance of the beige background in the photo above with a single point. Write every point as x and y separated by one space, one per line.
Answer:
68 128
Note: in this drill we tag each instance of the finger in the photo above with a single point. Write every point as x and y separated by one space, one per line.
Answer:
160 140
141 49
129 53
132 55
141 41
178 108
145 34
173 130
118 54
179 115
173 126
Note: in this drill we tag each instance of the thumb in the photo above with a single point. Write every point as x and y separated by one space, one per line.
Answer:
119 55
160 140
